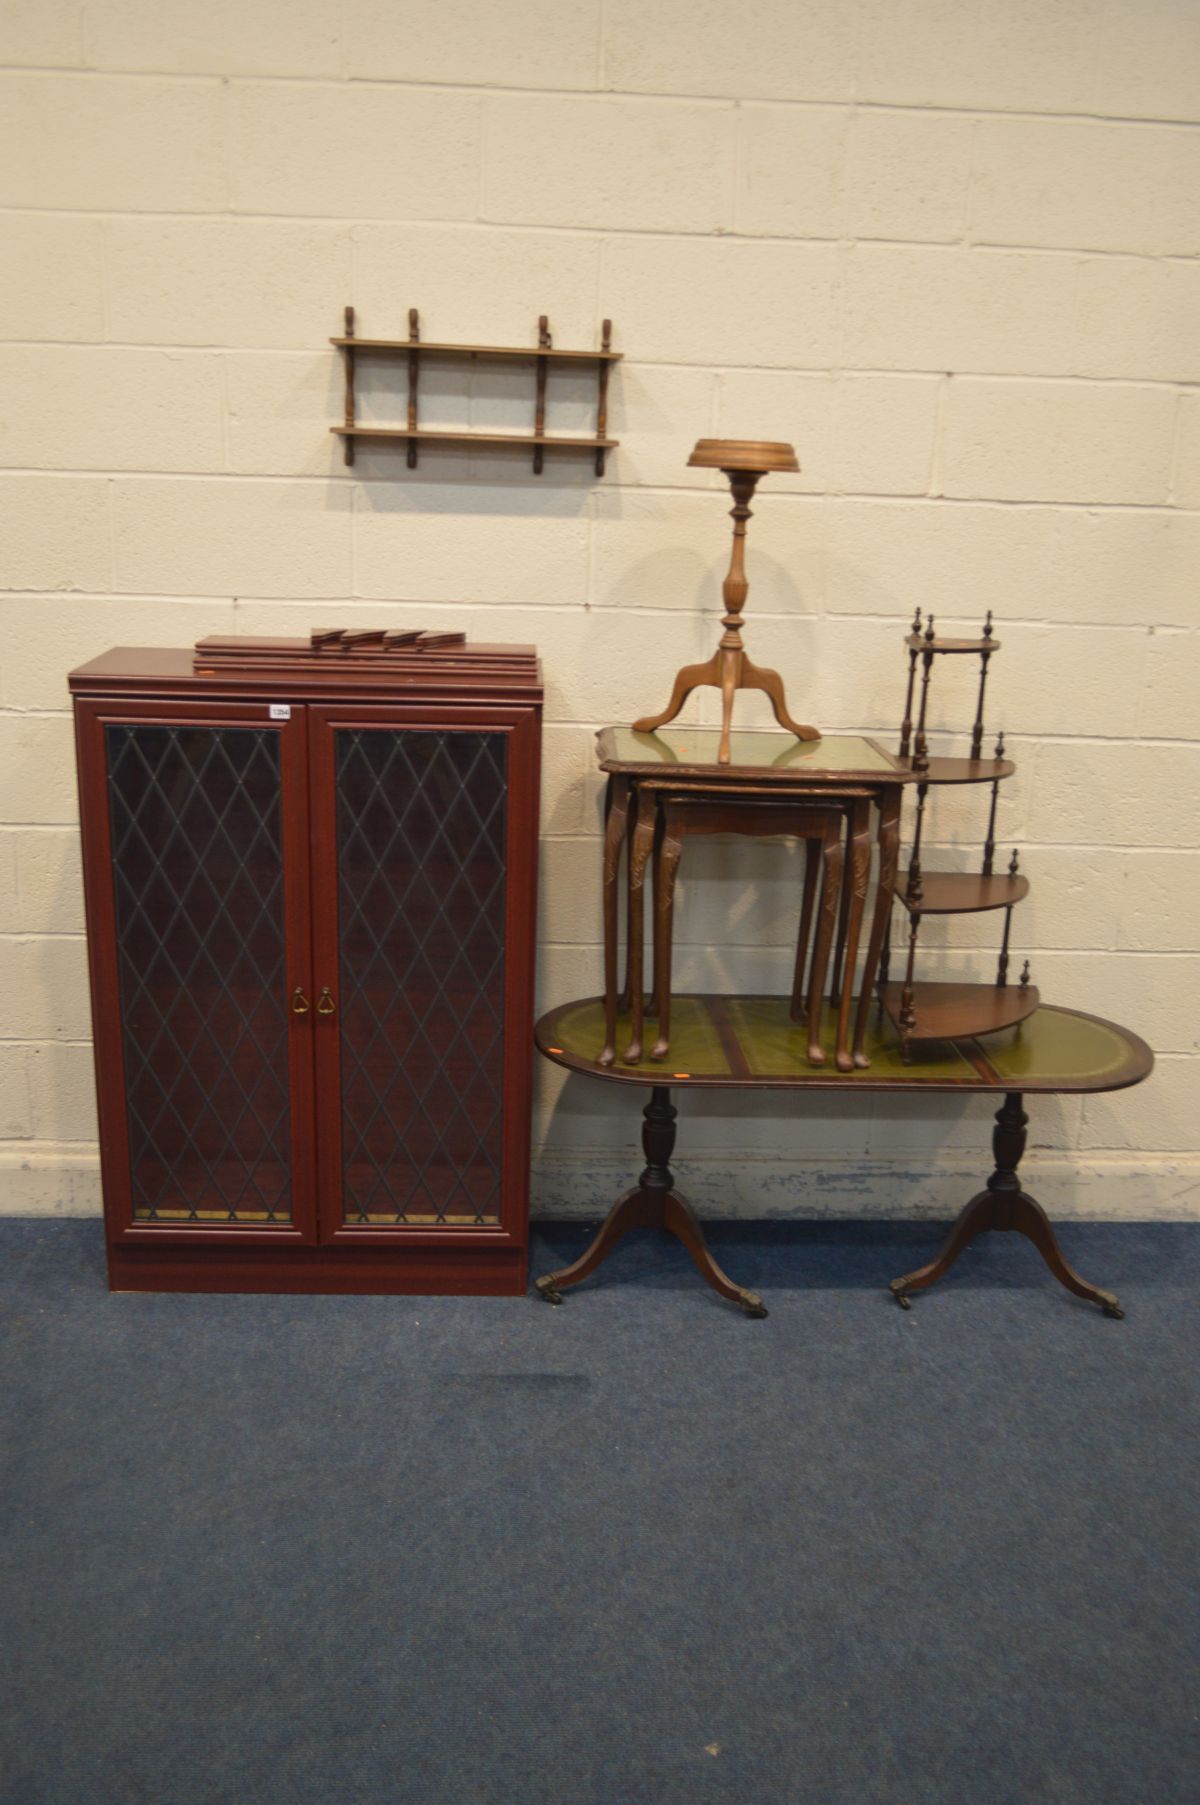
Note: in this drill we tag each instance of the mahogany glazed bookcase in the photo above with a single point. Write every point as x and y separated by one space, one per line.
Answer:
310 886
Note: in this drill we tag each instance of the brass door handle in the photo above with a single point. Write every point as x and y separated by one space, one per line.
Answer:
325 1002
300 1003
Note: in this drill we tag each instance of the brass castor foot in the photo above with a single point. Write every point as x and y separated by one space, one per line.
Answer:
901 1296
752 1304
1109 1304
546 1289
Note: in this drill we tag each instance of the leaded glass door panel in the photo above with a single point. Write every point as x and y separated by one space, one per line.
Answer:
412 922
202 979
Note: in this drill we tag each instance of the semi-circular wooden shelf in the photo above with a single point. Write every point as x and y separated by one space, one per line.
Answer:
961 1011
963 893
959 770
919 643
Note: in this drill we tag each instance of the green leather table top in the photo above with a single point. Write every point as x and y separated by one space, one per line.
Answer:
732 1042
837 757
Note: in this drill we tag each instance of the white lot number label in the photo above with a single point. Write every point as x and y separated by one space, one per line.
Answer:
281 711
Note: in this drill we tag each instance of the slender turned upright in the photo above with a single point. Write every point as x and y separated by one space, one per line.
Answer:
906 724
921 747
914 894
984 654
602 394
414 372
348 319
989 845
744 462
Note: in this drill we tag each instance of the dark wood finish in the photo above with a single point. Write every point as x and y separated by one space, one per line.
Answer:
950 893
410 651
989 844
964 892
543 355
339 642
729 669
913 889
459 1271
1002 962
921 744
929 645
163 672
914 646
602 365
905 1016
977 725
414 375
520 729
954 1011
652 1203
308 703
92 717
959 770
348 421
539 420
1005 1204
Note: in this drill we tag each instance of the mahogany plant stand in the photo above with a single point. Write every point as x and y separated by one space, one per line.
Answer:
1004 1204
653 1203
744 462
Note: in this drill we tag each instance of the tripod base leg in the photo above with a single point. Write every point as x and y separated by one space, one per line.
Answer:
652 1203
1004 1205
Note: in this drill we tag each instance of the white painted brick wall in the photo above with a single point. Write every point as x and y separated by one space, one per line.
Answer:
949 248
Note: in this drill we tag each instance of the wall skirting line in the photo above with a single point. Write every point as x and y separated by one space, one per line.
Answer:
37 1180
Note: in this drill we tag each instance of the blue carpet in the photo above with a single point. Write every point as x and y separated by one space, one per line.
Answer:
331 1551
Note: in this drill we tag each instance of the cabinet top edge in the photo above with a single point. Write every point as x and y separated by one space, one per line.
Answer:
149 670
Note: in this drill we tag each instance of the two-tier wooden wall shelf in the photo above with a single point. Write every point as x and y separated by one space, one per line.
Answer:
542 355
